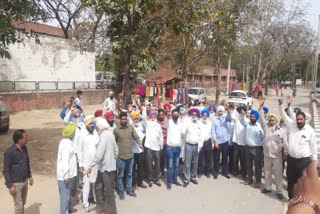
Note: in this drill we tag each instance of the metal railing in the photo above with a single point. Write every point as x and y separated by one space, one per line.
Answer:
21 86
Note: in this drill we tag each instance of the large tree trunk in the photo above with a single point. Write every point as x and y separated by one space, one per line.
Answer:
218 73
257 81
128 86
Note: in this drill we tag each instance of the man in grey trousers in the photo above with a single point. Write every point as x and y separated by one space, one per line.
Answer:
106 157
191 148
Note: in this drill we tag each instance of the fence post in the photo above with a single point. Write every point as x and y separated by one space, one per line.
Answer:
88 85
13 86
57 85
74 85
37 85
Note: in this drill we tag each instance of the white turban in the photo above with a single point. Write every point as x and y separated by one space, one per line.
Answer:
220 108
101 123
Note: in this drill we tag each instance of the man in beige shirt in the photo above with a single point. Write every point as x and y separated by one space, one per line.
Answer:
275 142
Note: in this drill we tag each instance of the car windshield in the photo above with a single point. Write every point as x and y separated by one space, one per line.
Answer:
237 94
193 91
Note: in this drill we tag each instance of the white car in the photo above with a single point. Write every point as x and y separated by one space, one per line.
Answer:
196 95
241 98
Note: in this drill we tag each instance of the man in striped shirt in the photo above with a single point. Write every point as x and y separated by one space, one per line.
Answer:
163 154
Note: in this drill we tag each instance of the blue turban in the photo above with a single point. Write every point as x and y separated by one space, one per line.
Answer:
205 111
178 107
266 109
255 113
213 107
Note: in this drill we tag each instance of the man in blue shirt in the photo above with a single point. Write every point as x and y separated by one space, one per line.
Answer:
220 138
254 138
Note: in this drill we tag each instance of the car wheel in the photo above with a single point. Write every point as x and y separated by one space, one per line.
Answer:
4 130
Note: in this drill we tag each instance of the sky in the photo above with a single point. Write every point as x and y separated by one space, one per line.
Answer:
313 13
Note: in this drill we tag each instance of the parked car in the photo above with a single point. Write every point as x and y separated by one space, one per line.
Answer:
241 97
4 117
196 95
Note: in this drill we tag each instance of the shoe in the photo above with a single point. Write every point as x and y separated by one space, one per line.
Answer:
265 191
72 210
215 176
169 186
86 209
208 175
199 175
257 186
157 183
248 182
280 196
131 193
150 183
142 185
121 195
177 183
227 176
185 184
194 181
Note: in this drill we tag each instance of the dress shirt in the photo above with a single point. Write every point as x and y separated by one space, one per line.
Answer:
111 105
220 132
175 131
193 131
66 161
87 151
124 138
254 135
275 139
239 130
302 142
154 137
206 130
16 165
141 132
107 152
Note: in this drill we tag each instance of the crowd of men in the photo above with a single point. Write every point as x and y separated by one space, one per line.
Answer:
229 140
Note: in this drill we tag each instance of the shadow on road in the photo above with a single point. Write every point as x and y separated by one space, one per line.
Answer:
33 209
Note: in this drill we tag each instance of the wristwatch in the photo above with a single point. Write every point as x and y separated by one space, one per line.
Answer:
303 199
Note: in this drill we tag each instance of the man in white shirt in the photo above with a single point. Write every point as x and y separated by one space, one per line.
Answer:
78 99
193 131
139 154
302 148
175 131
111 104
153 145
239 144
66 168
88 142
105 158
205 145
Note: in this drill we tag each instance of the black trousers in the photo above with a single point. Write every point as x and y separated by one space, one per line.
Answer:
254 155
223 149
295 168
239 156
230 157
205 158
153 157
163 159
139 165
105 192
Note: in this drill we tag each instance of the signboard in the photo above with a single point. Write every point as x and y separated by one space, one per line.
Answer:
298 82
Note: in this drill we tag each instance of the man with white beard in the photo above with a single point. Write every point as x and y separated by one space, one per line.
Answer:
105 158
88 142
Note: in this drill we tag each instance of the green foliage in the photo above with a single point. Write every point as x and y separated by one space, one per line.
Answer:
135 28
19 10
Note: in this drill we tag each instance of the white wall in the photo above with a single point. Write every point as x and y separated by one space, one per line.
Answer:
54 59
